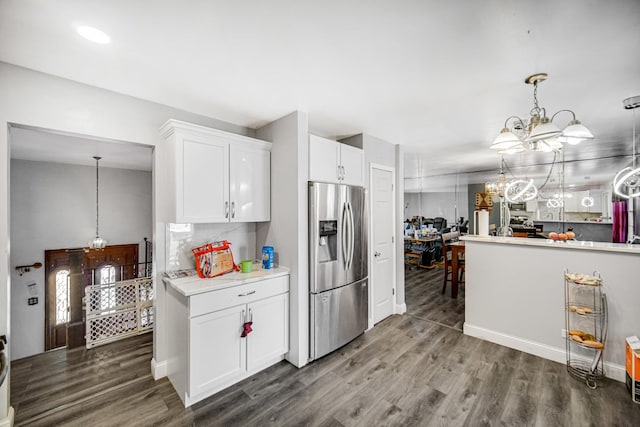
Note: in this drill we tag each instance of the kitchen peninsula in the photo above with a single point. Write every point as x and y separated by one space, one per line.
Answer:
515 293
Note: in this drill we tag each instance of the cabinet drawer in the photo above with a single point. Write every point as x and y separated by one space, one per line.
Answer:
243 294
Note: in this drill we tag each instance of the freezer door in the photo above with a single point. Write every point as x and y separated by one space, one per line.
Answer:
356 234
337 317
327 218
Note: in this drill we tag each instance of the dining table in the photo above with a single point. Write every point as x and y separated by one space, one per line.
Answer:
457 253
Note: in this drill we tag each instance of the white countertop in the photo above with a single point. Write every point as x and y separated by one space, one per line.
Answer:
194 285
555 221
571 244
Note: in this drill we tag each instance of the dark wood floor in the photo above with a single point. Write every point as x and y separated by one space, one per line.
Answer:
425 300
406 371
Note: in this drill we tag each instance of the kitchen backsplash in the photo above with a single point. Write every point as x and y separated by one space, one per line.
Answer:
181 238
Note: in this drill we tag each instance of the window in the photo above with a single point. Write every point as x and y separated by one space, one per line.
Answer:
107 275
62 296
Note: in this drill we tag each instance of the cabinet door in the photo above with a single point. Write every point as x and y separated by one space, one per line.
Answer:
572 203
270 337
324 159
249 183
203 194
352 162
217 353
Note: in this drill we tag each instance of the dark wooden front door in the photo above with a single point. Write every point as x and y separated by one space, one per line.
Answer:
68 272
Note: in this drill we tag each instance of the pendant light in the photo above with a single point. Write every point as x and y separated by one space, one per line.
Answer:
538 132
97 242
626 183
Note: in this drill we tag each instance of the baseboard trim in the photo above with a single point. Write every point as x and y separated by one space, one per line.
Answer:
8 420
401 308
158 369
612 370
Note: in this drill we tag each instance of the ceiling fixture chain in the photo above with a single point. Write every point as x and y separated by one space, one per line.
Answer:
97 242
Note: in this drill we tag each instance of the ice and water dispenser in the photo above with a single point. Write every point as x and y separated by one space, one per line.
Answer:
327 243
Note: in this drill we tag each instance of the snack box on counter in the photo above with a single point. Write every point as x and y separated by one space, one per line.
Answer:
633 367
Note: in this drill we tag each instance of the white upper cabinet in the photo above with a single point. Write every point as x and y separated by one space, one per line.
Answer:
212 176
204 176
352 162
331 161
250 184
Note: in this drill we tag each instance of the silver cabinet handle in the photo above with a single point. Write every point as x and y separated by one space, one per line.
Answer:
246 293
250 315
339 173
226 209
342 167
244 317
233 209
376 254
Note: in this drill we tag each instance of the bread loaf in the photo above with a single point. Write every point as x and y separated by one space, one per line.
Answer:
593 344
577 333
576 338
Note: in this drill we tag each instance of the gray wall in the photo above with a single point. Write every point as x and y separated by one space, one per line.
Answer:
494 216
53 207
431 205
288 229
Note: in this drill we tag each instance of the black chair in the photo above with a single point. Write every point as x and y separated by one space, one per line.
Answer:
439 223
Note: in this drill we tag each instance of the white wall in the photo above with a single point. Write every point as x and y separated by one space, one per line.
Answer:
380 152
40 100
53 207
181 238
431 205
288 231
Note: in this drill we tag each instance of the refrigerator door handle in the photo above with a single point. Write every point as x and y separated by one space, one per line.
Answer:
343 224
353 236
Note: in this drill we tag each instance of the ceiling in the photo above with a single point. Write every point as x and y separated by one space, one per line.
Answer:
437 77
39 145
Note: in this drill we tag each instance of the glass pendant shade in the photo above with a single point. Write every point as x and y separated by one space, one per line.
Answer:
97 243
544 130
575 133
505 140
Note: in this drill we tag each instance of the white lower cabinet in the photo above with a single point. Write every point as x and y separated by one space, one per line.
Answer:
211 354
209 334
268 339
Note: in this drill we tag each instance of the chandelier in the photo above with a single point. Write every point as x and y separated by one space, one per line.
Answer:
626 183
538 133
97 242
497 187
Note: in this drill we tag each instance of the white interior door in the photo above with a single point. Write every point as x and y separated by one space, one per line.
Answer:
382 244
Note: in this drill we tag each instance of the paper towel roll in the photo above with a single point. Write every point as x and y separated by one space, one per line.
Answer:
482 223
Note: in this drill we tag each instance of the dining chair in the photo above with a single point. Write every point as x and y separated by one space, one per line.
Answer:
446 240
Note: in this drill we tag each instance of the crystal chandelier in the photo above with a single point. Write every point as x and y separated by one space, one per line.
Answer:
626 183
97 242
538 133
497 187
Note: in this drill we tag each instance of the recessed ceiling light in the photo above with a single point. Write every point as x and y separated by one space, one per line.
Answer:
93 34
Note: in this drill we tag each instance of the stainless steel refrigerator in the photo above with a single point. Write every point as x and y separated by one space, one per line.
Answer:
338 285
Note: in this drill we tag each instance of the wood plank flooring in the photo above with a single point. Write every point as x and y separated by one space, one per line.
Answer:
409 370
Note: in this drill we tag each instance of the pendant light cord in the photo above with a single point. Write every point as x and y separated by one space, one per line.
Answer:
633 145
97 196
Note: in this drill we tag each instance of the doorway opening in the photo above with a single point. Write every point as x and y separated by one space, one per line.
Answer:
53 205
68 300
